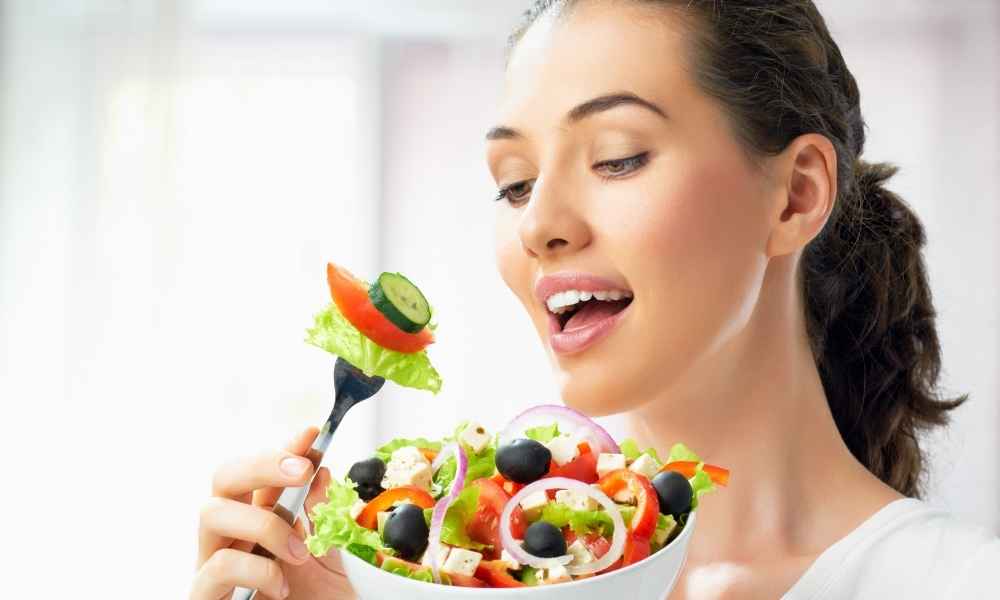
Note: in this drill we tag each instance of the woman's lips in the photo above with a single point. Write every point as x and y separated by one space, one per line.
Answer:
574 340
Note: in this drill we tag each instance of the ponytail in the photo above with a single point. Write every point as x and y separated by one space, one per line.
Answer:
871 323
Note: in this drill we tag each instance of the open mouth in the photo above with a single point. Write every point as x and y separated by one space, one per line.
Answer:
575 310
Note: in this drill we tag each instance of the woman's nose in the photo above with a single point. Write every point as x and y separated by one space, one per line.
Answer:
551 223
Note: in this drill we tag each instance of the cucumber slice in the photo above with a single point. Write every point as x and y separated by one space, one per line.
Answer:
400 301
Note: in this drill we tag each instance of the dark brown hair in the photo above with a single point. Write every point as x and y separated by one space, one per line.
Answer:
774 68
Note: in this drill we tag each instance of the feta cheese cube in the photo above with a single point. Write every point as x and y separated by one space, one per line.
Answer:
553 574
563 449
408 455
407 466
581 554
509 560
443 551
623 496
382 517
462 562
356 508
609 462
660 535
532 504
475 437
645 465
576 501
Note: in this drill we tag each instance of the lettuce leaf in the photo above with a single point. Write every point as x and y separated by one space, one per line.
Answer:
384 452
458 516
398 567
581 522
701 483
528 575
631 451
543 433
334 527
335 334
481 464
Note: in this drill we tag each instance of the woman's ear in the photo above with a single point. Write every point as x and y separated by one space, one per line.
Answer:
806 190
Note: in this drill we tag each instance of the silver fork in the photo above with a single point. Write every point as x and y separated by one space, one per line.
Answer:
350 386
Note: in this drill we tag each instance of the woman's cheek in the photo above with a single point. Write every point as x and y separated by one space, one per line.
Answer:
696 257
512 262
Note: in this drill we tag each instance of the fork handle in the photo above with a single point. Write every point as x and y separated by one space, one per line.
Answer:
291 500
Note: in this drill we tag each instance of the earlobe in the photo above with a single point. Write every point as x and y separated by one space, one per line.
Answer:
807 172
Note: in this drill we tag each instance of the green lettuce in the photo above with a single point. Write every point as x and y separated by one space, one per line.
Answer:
481 464
701 483
581 522
335 334
334 527
543 434
459 515
384 452
528 575
398 567
631 451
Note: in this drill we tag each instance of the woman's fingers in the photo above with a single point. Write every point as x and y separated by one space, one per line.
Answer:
229 568
299 446
224 520
317 492
238 478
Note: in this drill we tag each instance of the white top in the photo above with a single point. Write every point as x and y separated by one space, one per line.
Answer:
905 550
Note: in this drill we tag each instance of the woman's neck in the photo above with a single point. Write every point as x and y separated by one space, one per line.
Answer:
759 409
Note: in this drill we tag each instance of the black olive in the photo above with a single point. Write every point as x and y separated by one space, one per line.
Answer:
523 460
674 492
406 531
368 475
545 540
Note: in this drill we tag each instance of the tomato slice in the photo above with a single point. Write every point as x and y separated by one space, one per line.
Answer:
595 542
381 503
686 468
460 580
351 297
582 468
647 508
495 574
485 524
511 487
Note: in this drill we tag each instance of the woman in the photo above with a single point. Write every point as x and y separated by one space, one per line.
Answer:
703 158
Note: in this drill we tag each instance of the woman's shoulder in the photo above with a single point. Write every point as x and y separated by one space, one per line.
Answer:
908 549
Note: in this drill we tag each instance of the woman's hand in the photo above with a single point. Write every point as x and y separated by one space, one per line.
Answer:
239 515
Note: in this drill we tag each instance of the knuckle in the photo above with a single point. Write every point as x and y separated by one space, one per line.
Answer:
209 509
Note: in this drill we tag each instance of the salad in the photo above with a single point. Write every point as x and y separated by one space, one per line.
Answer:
550 498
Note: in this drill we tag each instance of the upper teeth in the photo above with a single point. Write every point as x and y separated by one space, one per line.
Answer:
560 302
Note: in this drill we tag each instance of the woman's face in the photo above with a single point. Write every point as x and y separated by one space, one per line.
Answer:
645 193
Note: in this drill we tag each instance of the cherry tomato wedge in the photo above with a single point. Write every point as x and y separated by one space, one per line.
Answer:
582 468
647 509
686 468
495 574
381 503
484 527
595 542
460 580
511 487
351 297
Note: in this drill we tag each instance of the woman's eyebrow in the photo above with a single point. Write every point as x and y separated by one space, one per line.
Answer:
582 111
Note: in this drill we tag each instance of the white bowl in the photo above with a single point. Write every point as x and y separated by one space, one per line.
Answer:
649 579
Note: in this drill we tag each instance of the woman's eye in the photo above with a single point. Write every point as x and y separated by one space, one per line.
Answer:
622 166
516 193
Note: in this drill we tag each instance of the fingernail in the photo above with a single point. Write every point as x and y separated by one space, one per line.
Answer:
293 467
297 547
284 589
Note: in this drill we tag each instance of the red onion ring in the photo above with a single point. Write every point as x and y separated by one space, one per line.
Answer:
569 421
441 507
563 483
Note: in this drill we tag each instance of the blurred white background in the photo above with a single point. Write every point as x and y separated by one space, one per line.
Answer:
174 176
